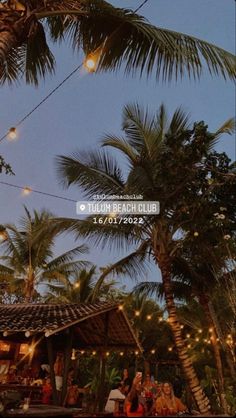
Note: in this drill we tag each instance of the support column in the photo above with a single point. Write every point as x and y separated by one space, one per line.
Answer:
67 362
52 374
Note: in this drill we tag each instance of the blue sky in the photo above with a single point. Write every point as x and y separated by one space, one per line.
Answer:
89 105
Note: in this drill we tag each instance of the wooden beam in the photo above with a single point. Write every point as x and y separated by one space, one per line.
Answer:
101 392
52 374
67 362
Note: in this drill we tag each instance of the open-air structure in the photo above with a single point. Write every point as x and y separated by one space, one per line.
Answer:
33 334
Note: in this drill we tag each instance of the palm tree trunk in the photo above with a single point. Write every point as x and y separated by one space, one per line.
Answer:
203 299
225 348
199 396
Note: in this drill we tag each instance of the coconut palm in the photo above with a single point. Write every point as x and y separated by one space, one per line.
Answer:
28 256
82 287
166 163
116 36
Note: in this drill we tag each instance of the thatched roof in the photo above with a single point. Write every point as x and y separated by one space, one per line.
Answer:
92 323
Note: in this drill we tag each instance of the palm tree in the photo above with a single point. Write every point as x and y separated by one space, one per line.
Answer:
166 163
28 256
83 287
114 36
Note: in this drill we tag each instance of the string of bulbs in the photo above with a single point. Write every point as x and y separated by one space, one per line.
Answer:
89 63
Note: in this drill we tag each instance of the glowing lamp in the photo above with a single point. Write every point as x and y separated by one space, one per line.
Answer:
12 134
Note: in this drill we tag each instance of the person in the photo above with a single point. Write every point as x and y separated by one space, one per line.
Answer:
167 403
58 370
126 381
133 406
71 398
148 385
47 392
115 393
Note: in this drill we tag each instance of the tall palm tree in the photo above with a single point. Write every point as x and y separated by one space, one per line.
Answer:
166 163
28 256
116 35
83 287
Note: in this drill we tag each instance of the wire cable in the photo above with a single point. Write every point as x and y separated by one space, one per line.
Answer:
62 82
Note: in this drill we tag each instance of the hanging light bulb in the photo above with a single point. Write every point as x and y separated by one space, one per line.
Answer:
90 63
149 317
200 331
153 351
189 345
137 313
196 234
121 353
26 191
181 326
170 349
94 353
107 353
197 339
27 334
136 353
161 319
12 133
76 285
187 335
120 307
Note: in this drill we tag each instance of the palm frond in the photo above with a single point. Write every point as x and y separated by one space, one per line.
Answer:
95 172
67 256
39 59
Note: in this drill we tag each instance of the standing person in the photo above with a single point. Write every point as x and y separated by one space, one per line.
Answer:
58 370
133 406
47 392
167 403
71 398
126 381
115 393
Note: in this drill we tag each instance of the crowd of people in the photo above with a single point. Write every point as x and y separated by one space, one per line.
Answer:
143 397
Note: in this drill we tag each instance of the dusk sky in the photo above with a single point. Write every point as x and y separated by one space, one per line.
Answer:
89 105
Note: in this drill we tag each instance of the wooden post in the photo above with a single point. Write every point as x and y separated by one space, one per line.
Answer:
67 362
103 366
52 374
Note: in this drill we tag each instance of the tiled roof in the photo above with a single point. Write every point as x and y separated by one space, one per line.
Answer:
87 319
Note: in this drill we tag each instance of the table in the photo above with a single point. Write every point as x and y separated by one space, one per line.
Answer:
26 391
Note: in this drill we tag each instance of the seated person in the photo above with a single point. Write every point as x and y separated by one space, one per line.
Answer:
47 392
71 398
115 393
167 403
133 406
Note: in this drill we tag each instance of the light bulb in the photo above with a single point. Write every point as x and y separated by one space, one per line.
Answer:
200 331
26 191
120 307
153 351
90 64
12 133
149 317
137 313
121 353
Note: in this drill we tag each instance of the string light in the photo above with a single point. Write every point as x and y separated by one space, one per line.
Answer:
170 349
137 313
107 353
12 133
197 339
77 285
211 329
94 353
26 191
189 346
200 331
153 351
149 317
121 353
161 319
136 353
90 64
27 334
196 234
89 61
188 335
181 326
4 183
5 334
120 307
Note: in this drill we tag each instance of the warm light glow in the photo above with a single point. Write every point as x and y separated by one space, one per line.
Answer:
4 346
210 329
121 353
229 336
5 334
181 326
3 236
197 339
27 334
82 352
149 317
31 349
120 307
107 353
12 133
24 349
196 234
26 191
205 340
161 319
90 64
200 331
77 285
94 353
136 353
187 335
73 356
189 345
137 313
153 351
170 349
